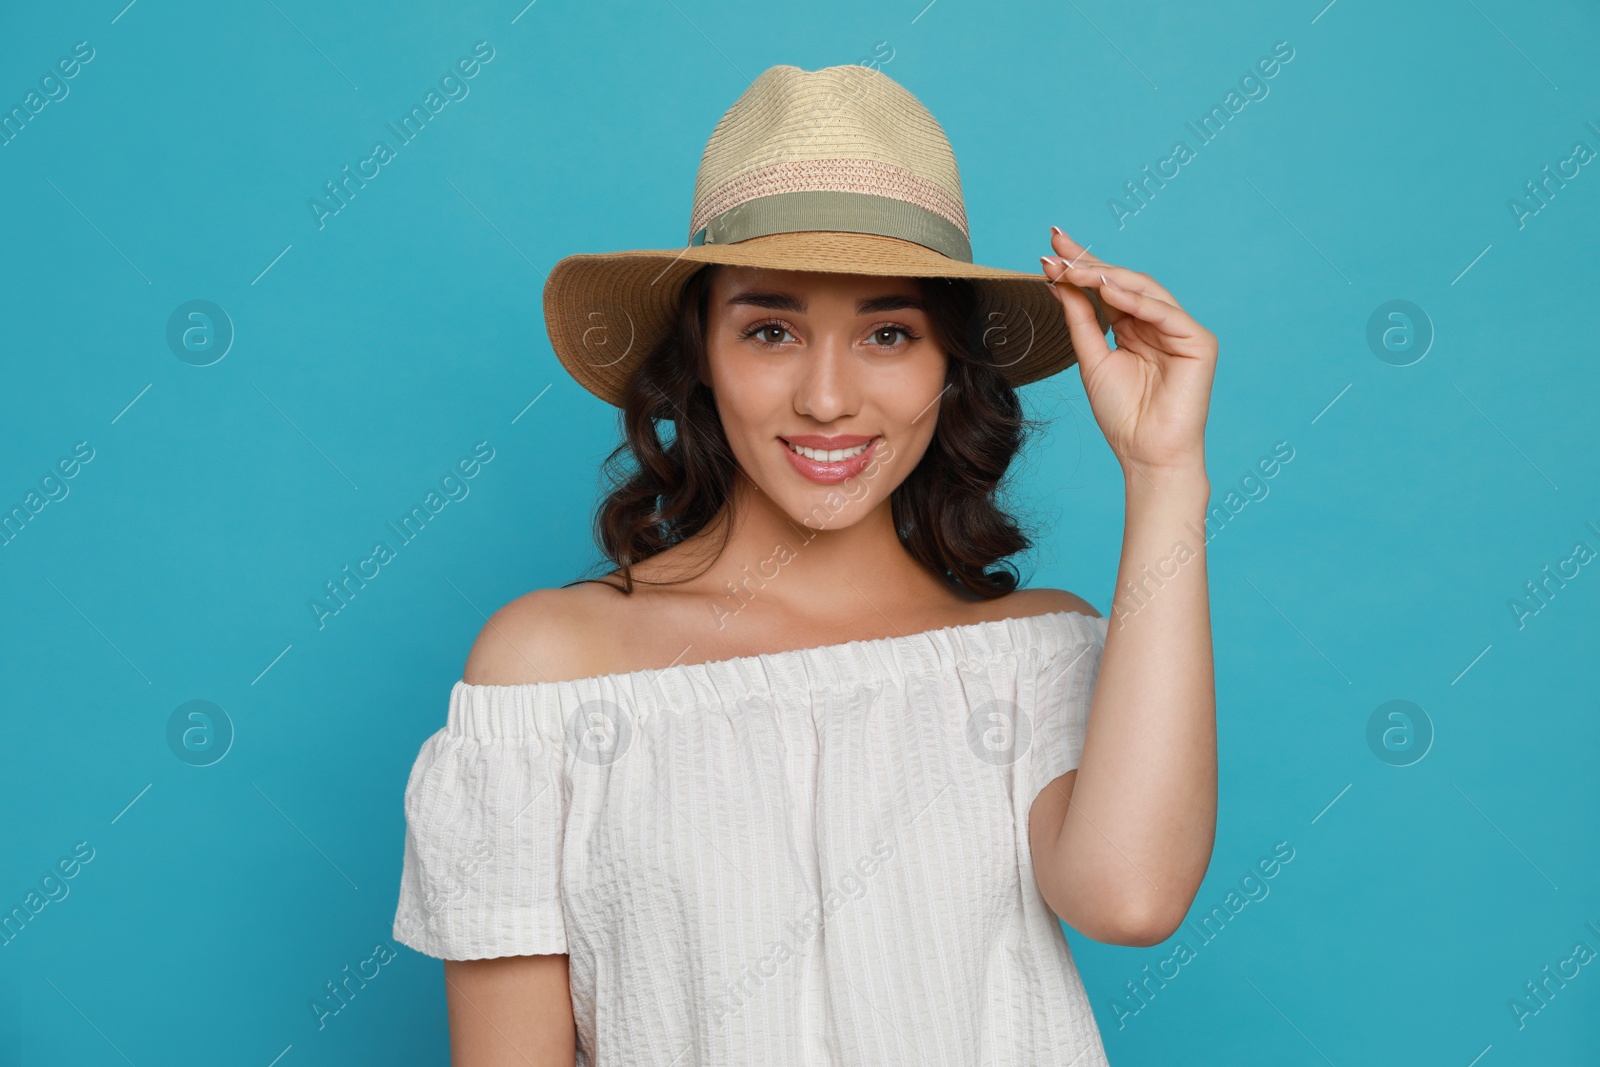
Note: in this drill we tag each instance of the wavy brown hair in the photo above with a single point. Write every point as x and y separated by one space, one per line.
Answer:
947 511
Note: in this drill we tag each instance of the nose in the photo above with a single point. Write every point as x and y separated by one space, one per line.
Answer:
828 388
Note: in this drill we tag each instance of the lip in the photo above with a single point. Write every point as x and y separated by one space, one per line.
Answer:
830 473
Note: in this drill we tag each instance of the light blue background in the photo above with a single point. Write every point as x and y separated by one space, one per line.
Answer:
377 350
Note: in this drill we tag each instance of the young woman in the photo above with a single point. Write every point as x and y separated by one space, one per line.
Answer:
804 777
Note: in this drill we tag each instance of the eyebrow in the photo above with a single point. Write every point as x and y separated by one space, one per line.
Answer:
776 301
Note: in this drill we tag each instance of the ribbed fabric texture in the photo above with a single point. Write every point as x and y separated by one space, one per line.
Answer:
817 856
836 175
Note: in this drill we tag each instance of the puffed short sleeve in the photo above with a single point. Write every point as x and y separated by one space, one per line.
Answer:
486 807
1065 691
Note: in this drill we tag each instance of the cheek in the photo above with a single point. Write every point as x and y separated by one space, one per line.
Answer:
748 402
910 399
739 374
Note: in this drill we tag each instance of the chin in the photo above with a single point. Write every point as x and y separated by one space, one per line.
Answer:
828 507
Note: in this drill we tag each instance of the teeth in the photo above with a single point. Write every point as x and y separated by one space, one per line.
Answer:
825 456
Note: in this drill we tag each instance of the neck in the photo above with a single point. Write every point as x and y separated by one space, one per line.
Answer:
773 561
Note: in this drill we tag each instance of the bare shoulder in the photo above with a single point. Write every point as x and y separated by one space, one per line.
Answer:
541 636
1045 601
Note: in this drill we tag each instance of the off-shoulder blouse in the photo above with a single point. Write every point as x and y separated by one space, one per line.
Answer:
817 856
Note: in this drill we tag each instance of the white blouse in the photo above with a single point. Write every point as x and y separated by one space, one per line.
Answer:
817 856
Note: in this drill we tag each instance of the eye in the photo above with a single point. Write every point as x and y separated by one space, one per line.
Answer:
890 329
760 332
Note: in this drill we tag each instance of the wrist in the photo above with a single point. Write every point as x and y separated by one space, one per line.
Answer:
1185 478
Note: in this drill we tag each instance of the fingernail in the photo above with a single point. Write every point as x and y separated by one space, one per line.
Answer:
1104 282
1057 231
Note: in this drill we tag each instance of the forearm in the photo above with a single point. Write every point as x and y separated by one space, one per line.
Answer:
1141 822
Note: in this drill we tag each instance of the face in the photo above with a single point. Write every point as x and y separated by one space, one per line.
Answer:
827 385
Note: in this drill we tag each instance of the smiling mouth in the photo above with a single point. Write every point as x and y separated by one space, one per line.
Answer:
829 466
826 455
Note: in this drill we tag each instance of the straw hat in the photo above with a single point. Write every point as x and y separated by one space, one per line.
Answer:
838 169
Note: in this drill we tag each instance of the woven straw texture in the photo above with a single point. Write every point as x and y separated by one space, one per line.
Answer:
849 128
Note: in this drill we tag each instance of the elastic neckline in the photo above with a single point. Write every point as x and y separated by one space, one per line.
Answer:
513 710
874 647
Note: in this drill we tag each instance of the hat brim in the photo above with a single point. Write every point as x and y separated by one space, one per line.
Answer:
604 311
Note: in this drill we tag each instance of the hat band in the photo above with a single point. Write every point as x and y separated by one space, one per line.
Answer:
828 209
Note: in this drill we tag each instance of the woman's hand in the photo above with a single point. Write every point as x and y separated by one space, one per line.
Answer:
1149 394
